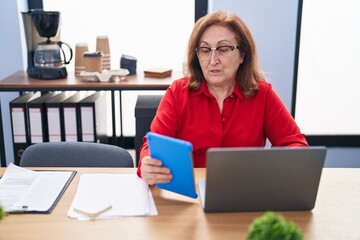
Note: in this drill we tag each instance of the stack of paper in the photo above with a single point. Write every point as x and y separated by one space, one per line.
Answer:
102 196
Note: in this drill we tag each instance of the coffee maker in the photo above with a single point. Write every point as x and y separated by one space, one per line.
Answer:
46 58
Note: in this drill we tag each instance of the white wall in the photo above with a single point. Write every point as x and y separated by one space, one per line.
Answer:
11 59
273 24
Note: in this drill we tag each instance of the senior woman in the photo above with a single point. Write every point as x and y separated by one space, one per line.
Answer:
223 102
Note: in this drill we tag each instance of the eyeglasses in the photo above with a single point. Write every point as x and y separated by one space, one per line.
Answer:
204 53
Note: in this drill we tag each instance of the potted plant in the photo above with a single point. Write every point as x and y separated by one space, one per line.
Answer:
2 213
272 226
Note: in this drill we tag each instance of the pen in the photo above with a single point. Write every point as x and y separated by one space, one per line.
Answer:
93 214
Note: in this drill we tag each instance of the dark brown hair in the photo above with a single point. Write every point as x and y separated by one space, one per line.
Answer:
248 73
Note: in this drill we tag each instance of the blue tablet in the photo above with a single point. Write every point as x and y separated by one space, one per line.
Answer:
176 155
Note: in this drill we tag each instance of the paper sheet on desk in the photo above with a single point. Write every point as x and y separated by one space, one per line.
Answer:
127 194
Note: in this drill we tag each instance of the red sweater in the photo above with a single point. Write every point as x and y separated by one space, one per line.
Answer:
244 122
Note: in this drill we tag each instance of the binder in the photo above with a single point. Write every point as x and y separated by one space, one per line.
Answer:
93 118
71 117
2 147
38 131
55 117
19 124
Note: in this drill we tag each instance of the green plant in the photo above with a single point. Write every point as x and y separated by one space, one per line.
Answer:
2 213
272 226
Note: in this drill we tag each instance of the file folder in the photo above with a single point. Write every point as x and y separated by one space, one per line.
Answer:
71 117
38 130
19 124
41 190
93 118
55 117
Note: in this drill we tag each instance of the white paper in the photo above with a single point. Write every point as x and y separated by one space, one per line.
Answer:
87 124
26 190
127 194
18 123
36 130
70 124
53 115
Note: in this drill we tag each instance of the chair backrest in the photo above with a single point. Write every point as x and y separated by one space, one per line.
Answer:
145 110
75 154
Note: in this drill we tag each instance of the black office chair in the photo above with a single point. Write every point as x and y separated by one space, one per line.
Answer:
145 110
75 154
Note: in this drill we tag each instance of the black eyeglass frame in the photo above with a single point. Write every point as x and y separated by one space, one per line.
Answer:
232 48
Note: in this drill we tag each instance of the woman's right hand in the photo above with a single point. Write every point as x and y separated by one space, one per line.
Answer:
153 172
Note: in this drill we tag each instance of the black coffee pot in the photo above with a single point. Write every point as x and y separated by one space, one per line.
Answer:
46 58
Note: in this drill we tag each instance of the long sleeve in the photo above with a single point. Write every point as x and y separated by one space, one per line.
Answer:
243 122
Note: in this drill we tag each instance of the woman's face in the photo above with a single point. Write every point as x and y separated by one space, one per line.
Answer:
219 66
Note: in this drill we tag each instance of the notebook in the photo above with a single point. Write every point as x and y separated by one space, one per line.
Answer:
259 179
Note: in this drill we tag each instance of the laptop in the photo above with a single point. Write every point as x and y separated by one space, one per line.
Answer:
261 179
